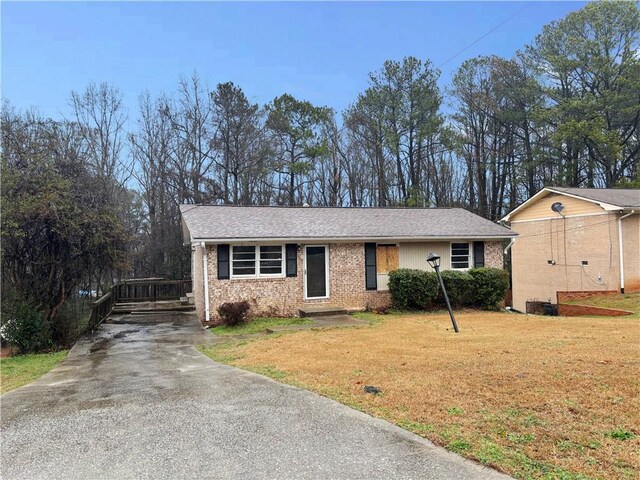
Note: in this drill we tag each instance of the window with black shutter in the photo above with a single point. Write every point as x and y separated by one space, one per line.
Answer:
292 259
478 254
371 280
223 262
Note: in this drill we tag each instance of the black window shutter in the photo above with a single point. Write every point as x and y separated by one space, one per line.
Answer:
478 254
292 259
371 278
223 262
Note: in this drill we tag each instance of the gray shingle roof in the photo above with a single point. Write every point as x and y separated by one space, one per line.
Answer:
621 197
220 223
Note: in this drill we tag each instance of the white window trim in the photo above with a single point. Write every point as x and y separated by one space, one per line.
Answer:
257 273
327 273
469 257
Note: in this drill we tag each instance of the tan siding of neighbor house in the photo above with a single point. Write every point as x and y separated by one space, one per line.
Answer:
631 238
542 208
567 242
284 296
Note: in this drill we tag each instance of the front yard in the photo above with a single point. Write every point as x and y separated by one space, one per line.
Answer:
536 397
22 369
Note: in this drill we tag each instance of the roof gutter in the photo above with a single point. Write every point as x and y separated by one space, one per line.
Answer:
353 239
621 248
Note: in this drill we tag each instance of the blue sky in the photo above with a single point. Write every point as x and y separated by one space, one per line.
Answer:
320 52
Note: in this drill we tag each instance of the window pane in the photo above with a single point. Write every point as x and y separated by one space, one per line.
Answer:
459 255
270 263
271 260
244 260
238 270
270 270
244 253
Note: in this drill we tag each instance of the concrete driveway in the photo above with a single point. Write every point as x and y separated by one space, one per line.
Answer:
138 401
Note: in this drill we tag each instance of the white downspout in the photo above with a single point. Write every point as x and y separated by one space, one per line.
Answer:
620 246
508 247
205 277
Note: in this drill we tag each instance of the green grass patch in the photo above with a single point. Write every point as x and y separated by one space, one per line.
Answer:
459 446
416 427
221 352
22 369
258 325
268 371
372 318
620 434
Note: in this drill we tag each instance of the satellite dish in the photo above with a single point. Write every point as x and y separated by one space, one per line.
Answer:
557 207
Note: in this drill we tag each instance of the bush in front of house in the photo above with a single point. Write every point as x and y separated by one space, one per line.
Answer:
490 286
460 288
412 289
24 328
234 313
484 288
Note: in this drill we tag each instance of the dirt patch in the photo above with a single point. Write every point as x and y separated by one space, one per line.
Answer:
537 397
6 351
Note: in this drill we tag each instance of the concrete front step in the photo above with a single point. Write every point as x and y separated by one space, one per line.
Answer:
321 311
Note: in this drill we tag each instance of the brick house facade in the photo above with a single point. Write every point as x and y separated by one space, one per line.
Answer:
284 296
277 275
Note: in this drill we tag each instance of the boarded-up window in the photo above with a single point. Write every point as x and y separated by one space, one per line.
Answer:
387 258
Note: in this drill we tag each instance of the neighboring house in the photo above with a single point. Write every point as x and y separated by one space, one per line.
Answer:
282 259
575 239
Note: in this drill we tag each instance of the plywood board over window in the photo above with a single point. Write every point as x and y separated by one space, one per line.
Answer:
387 258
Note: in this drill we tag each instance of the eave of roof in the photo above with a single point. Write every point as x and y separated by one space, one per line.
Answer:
351 239
547 190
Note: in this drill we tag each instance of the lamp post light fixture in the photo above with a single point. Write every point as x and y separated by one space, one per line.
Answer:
434 261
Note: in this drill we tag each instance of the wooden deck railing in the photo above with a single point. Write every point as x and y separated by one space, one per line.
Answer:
100 309
137 290
151 290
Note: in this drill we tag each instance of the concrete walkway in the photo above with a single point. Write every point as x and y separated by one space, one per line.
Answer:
138 401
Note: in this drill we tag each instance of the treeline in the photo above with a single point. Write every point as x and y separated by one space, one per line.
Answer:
564 111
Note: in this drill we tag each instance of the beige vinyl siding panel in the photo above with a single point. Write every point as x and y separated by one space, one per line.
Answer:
414 255
383 281
542 208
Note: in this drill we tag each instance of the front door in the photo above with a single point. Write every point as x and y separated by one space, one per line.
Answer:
316 274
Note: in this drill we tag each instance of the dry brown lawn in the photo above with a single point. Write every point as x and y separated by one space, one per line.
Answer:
536 397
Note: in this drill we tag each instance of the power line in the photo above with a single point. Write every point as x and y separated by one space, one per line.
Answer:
485 35
551 232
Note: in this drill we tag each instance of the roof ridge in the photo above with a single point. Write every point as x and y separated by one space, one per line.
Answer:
319 207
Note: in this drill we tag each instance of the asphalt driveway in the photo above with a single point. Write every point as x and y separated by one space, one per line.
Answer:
138 401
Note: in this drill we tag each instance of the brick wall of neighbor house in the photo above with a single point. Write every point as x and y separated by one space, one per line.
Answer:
494 254
284 296
631 239
590 238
